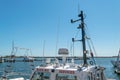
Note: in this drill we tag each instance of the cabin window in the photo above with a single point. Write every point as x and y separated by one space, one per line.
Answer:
65 77
41 76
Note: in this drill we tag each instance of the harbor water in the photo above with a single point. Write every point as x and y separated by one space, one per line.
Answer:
25 69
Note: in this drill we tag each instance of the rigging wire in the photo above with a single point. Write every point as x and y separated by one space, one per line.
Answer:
44 48
43 58
90 40
72 47
79 29
77 33
93 47
57 40
57 37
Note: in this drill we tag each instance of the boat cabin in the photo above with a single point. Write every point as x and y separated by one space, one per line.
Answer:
68 72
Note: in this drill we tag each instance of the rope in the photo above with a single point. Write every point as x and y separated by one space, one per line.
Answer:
90 40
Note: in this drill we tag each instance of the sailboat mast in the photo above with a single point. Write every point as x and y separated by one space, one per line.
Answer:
12 52
81 26
83 37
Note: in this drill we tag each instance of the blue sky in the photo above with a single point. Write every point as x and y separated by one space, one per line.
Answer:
31 22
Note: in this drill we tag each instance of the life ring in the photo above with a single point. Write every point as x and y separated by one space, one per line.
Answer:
91 62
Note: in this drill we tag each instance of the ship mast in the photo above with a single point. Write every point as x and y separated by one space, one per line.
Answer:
81 26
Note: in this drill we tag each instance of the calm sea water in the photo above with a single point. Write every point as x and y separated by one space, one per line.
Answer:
109 71
24 68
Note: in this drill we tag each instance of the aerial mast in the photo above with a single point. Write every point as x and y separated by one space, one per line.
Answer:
81 26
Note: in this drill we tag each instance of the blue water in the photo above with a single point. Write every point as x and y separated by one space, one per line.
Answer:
25 70
109 69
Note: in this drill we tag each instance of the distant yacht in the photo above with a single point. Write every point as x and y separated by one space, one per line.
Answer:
11 57
28 59
1 59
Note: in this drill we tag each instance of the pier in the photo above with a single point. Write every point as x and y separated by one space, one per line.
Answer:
38 58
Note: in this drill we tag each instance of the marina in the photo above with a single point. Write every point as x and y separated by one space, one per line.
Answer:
62 47
56 70
24 67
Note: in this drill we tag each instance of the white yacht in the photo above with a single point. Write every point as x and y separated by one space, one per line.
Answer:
71 71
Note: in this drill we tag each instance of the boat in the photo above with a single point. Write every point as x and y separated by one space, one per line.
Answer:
71 71
28 59
116 63
10 72
12 56
1 59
